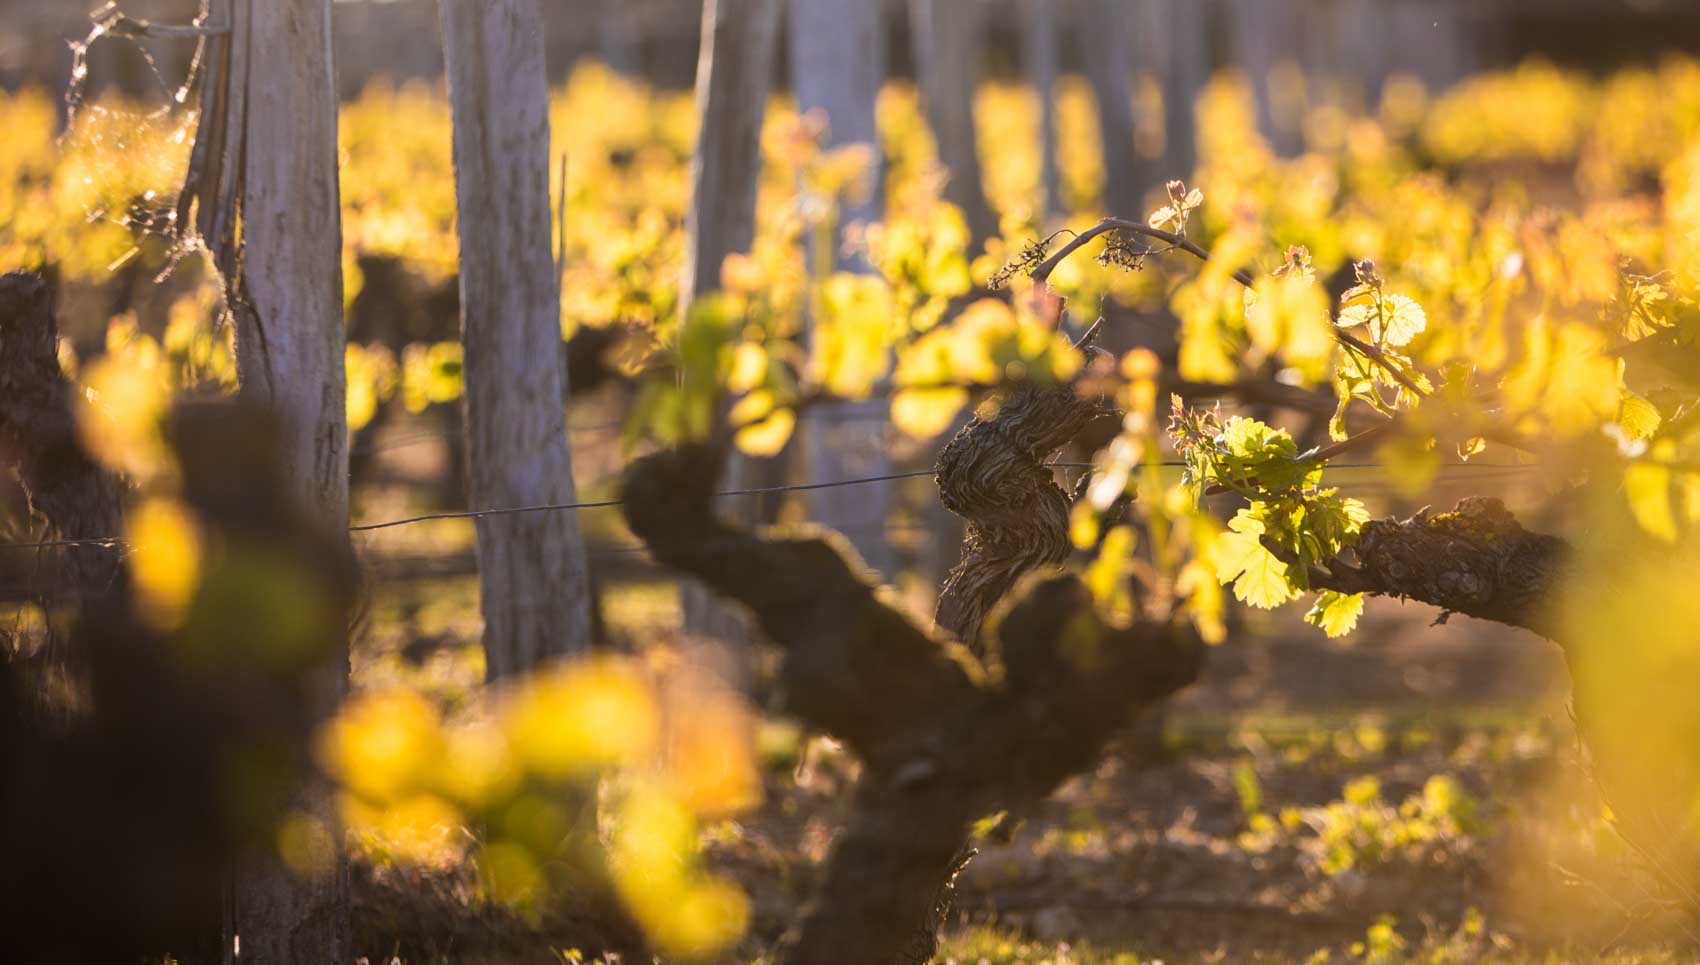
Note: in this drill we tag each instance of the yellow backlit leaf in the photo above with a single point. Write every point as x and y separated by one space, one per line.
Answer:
476 763
1336 613
1204 601
1638 417
1105 576
371 379
1402 319
165 561
305 846
711 753
581 718
1083 526
119 411
509 873
653 859
740 274
1648 487
382 745
768 437
850 335
749 368
924 413
707 919
1259 578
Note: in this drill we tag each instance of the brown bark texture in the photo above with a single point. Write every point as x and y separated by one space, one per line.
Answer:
77 497
946 737
1475 559
993 475
187 743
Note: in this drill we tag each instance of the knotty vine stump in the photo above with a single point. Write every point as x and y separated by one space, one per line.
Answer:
65 487
1019 687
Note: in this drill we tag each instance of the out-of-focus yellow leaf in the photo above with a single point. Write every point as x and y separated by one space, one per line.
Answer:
1648 487
1638 417
119 410
688 913
583 717
509 873
740 274
749 367
1203 594
1105 576
1583 386
382 744
766 438
476 763
1411 463
1289 315
371 379
165 561
708 917
306 846
924 413
711 750
1083 526
851 333
431 374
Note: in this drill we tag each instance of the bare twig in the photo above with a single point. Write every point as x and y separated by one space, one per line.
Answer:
1043 271
1182 243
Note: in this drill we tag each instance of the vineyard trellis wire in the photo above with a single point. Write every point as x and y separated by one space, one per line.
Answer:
1488 468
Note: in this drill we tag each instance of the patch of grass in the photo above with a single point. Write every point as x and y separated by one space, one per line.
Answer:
995 946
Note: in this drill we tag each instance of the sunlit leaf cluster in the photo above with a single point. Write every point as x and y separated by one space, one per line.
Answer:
597 776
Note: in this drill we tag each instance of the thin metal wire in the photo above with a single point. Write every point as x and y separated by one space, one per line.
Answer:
480 514
760 491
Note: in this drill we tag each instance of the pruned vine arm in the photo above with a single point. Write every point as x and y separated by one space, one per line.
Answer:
1475 559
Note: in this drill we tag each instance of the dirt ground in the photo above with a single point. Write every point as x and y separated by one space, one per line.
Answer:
1150 853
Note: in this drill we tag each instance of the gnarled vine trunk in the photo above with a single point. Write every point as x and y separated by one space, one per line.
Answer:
945 737
1476 560
77 497
993 475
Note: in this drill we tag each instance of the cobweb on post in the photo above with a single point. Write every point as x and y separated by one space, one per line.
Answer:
142 167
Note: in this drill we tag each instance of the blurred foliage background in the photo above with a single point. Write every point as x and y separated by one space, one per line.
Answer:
1415 794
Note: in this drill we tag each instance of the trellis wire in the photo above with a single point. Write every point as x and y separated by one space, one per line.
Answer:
760 491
